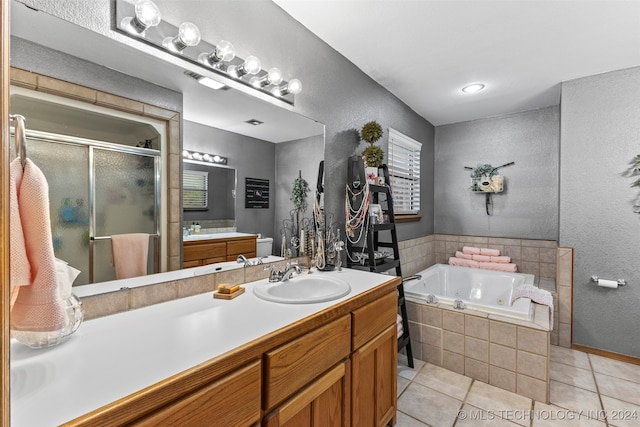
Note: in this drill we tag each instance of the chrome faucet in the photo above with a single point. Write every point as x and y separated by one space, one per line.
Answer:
282 276
242 259
291 267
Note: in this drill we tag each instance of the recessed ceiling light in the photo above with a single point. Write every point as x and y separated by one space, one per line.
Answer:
254 122
473 88
206 81
210 83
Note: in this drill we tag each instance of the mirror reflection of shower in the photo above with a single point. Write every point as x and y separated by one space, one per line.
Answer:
103 176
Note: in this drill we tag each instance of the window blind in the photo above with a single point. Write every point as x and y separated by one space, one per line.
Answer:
404 172
195 189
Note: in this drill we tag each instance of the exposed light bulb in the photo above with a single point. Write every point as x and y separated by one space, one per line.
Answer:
251 65
216 159
206 157
188 35
224 51
274 76
186 154
147 14
293 87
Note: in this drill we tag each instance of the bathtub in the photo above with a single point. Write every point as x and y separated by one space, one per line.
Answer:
482 290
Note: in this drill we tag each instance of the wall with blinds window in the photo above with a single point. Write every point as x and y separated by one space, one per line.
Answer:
403 161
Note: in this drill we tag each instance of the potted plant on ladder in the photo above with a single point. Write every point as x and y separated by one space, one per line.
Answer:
372 155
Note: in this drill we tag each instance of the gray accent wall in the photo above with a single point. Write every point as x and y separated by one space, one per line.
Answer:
600 137
528 207
251 157
301 155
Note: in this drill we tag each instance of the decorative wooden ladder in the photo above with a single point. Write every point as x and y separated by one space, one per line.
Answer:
373 244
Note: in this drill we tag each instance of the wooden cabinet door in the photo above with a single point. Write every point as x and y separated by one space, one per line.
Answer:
323 403
373 380
233 400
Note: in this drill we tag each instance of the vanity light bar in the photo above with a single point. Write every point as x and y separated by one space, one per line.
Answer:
142 21
204 157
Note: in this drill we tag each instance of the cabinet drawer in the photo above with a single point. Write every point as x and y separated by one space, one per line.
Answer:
213 260
237 247
293 365
189 264
234 400
374 317
197 250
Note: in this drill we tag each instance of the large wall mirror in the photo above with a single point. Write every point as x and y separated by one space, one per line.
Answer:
210 121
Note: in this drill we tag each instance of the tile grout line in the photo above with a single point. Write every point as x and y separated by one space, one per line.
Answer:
595 381
464 401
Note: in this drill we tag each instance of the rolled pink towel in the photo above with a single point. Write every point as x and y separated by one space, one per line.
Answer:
509 268
481 258
489 252
461 262
463 255
501 259
470 250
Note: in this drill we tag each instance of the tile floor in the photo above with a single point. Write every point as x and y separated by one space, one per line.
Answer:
586 390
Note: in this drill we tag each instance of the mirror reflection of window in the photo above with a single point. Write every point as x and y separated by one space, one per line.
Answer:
195 190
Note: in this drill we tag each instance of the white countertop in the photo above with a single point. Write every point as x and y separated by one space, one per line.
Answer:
114 356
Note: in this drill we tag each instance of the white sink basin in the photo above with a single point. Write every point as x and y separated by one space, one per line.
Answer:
303 289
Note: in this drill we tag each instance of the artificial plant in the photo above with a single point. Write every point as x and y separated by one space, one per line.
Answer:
299 193
373 155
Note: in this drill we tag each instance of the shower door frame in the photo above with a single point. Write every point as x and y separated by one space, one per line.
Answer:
108 146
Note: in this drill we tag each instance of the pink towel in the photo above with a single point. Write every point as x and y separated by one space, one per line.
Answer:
463 255
509 268
501 259
460 262
130 254
535 294
489 252
38 306
481 258
470 250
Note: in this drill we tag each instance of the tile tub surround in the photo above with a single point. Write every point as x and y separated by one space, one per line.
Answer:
429 395
564 305
543 258
537 257
510 354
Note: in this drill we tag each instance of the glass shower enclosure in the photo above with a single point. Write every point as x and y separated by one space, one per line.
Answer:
103 168
97 189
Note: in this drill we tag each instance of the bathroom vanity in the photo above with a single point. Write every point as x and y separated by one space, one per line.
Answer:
205 361
204 249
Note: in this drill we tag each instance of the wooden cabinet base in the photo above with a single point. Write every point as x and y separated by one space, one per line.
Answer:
373 376
324 403
231 401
